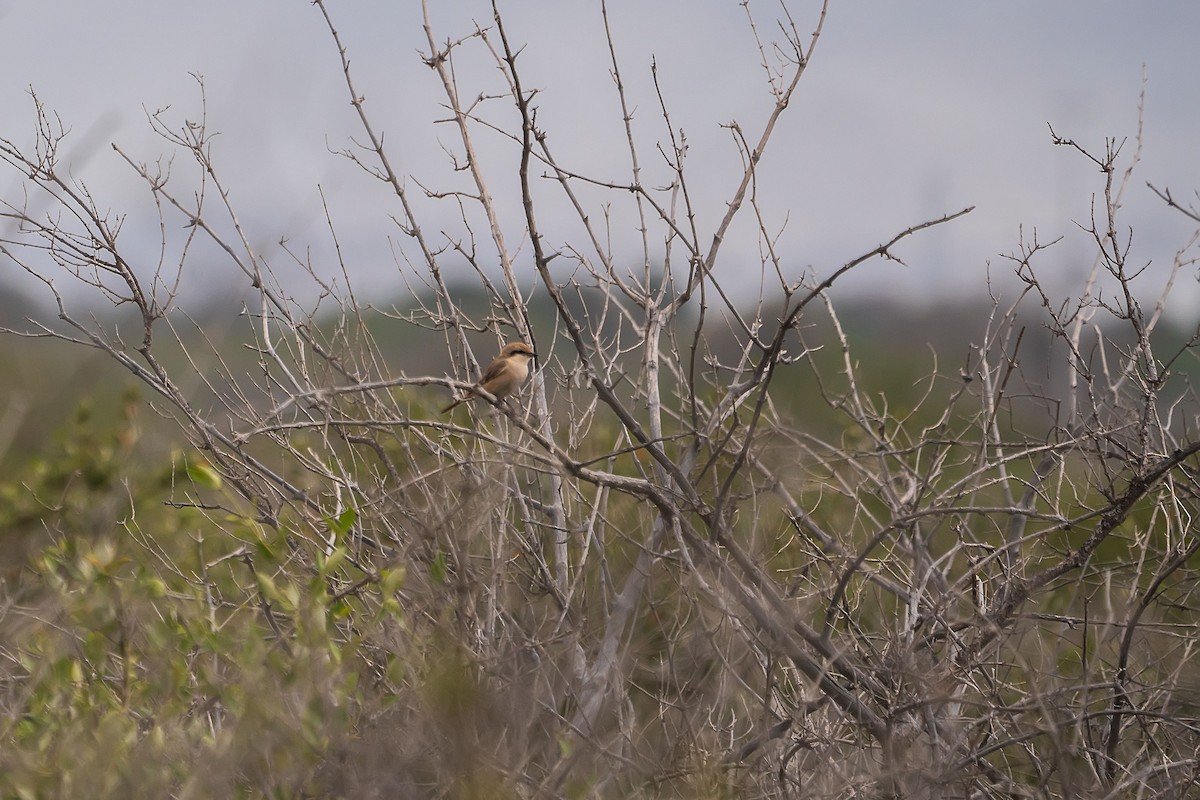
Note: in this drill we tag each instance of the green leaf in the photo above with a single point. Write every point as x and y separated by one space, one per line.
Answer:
437 569
204 475
330 563
392 579
343 522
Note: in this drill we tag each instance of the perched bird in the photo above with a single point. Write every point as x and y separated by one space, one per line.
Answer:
505 375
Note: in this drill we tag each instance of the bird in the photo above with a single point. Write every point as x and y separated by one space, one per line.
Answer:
505 375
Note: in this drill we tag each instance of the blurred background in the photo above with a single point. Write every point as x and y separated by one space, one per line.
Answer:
908 112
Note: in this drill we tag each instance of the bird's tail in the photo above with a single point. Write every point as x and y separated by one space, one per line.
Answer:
463 399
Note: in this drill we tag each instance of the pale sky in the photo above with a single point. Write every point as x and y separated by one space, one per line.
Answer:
908 111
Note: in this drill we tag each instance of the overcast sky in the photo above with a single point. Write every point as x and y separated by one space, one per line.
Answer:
909 110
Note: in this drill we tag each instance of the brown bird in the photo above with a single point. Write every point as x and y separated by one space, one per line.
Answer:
505 375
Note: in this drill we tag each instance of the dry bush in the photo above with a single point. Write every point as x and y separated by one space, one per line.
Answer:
648 574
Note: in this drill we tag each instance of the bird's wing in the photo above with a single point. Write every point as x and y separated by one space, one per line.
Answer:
494 370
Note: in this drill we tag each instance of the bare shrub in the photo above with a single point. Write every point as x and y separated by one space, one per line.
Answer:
651 573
